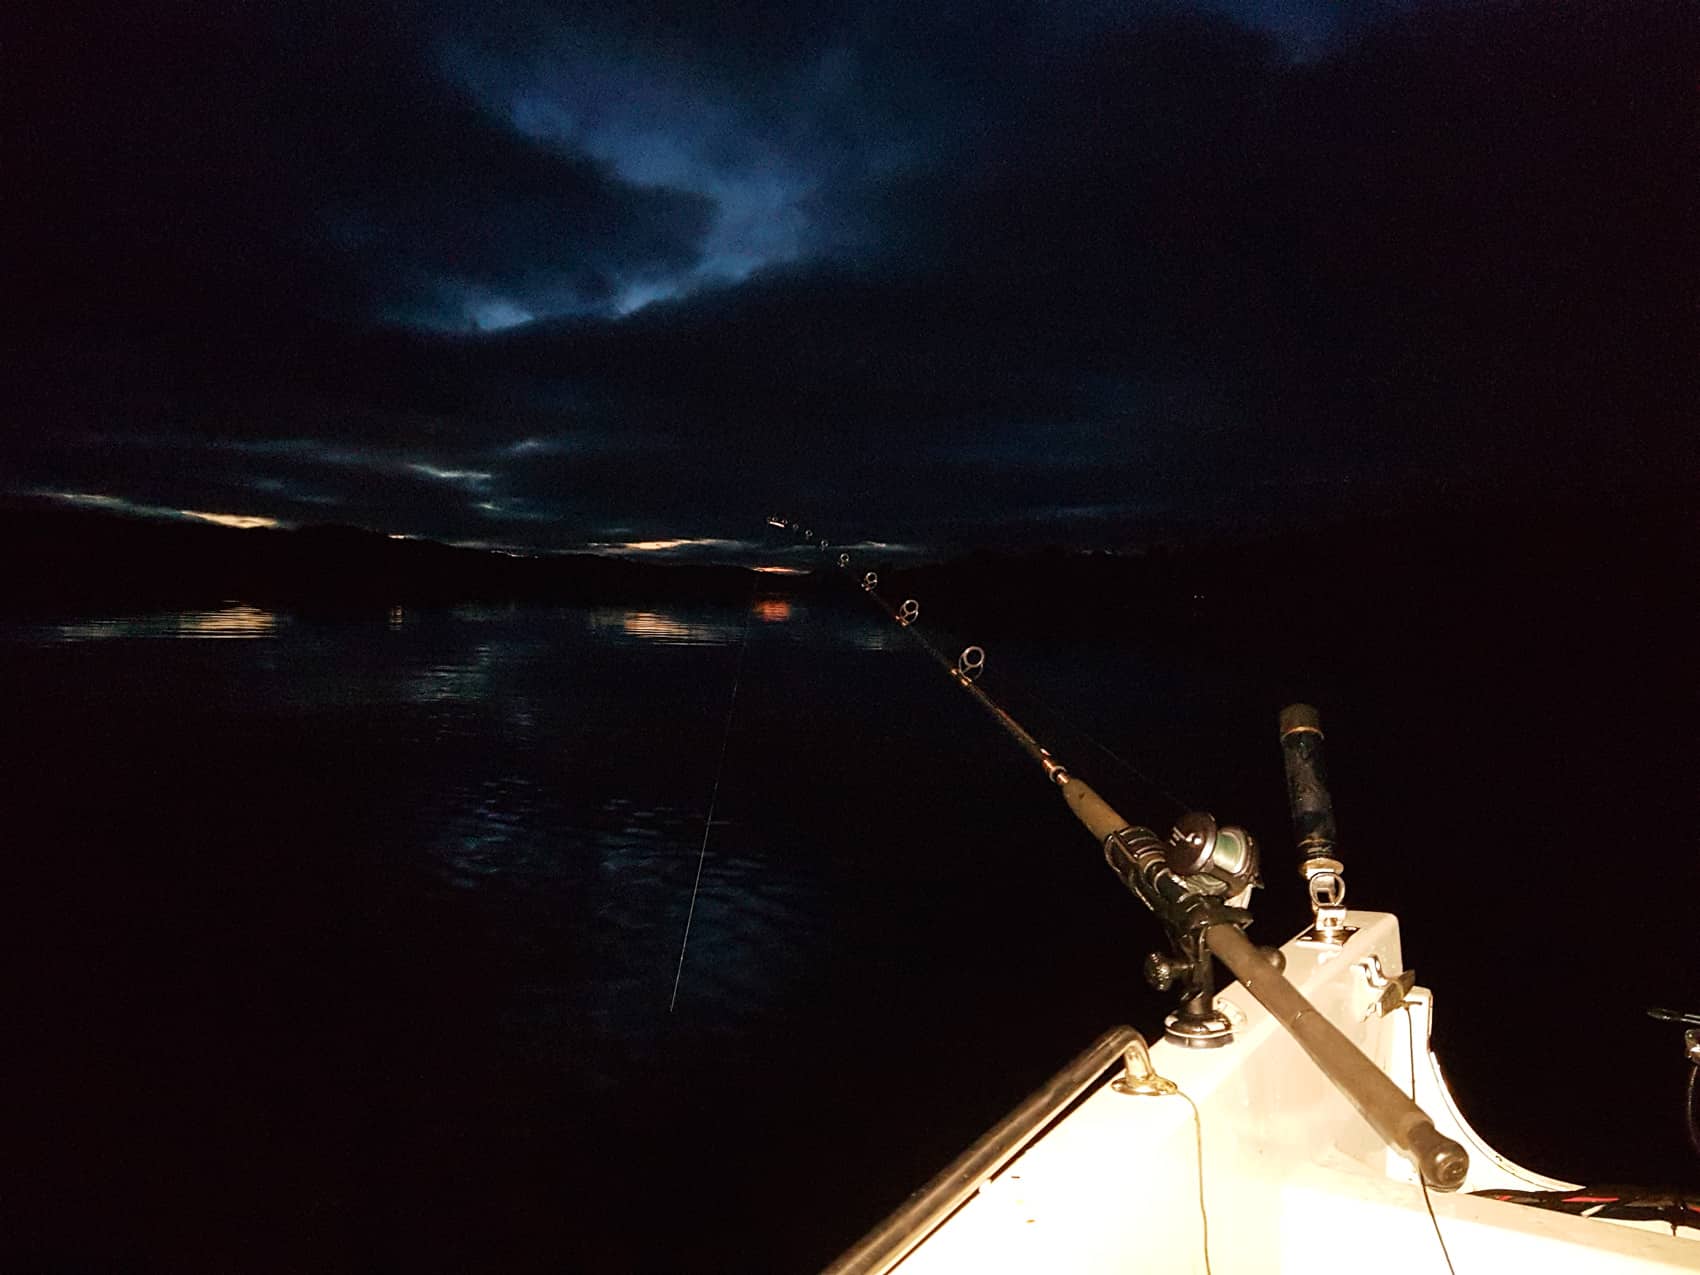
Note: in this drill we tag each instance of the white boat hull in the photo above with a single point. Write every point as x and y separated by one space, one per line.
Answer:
1293 1178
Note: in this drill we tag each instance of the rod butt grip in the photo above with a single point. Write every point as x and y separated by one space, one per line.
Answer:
1442 1162
1307 785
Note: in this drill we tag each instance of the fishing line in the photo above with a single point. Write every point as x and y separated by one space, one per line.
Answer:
1007 683
1411 1044
1127 766
713 797
1013 688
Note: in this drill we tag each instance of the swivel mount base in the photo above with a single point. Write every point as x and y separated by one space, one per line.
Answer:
1199 1031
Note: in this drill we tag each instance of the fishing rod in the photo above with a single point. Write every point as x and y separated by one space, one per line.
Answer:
1197 881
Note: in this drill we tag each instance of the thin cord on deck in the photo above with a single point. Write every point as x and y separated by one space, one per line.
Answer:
1411 1042
1198 1132
713 798
1693 1121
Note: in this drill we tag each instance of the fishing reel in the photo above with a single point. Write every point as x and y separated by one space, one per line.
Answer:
1201 875
1212 859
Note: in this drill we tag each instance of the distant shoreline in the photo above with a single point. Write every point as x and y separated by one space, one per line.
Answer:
1575 564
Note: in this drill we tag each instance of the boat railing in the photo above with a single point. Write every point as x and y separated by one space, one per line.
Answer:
923 1212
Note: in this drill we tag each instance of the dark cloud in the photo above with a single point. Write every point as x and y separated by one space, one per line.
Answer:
217 159
924 272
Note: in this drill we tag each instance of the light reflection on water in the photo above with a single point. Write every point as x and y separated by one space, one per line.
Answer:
507 719
482 828
235 620
671 629
754 921
462 680
725 626
485 714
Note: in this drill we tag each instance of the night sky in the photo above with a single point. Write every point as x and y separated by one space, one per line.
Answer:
533 273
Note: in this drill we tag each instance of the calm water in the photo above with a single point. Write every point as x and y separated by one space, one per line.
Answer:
351 942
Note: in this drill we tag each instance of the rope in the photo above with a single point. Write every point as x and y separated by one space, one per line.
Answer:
713 799
1693 1119
1411 1043
1198 1136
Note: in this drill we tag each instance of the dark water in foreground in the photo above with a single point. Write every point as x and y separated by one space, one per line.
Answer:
349 943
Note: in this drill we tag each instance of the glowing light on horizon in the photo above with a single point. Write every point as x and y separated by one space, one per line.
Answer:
488 546
653 546
117 504
246 522
781 571
665 546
